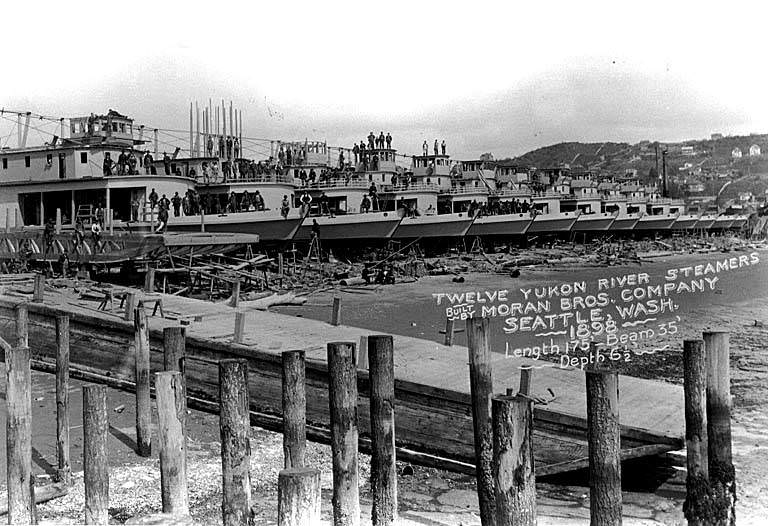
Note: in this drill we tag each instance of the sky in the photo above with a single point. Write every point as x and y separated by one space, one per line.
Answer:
499 77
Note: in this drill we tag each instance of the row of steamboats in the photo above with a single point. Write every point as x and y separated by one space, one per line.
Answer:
64 180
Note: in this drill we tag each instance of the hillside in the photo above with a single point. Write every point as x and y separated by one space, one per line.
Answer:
707 161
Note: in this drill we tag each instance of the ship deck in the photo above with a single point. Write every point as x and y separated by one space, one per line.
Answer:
432 389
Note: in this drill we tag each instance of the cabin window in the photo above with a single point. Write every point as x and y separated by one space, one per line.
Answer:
428 180
83 157
114 126
27 161
438 180
49 159
122 127
72 128
5 163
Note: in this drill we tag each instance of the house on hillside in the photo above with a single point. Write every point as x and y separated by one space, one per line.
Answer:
736 153
716 136
688 151
754 150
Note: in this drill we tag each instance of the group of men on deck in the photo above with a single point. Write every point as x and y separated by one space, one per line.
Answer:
128 163
437 148
381 142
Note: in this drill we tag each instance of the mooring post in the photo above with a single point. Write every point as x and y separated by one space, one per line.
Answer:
175 354
149 279
171 414
604 440
239 326
695 390
38 293
280 264
336 313
235 301
294 409
58 221
130 306
383 464
202 221
22 325
362 354
143 403
95 463
18 433
298 497
449 323
235 426
526 377
722 476
513 472
7 220
481 390
342 383
64 470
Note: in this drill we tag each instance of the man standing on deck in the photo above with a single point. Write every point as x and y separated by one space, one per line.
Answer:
165 203
153 199
122 160
285 207
425 147
167 163
388 138
436 147
381 139
148 162
209 146
176 200
356 151
221 146
306 200
374 197
442 145
107 165
371 141
341 159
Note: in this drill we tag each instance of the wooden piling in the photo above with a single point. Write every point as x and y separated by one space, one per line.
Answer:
239 326
342 385
235 300
18 434
235 426
362 353
383 467
171 412
294 409
64 470
696 507
722 475
298 497
143 402
7 220
58 221
280 265
604 440
21 314
149 279
95 463
513 471
449 323
38 294
481 391
130 306
336 313
526 378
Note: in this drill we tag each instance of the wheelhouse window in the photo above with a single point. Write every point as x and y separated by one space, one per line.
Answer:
83 157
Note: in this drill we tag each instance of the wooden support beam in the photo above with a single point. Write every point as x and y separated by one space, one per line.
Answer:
698 492
722 475
383 463
449 331
513 467
342 374
235 443
481 391
149 280
18 434
95 463
130 306
142 367
298 497
239 326
64 469
603 436
294 408
171 412
526 377
336 312
21 315
38 293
